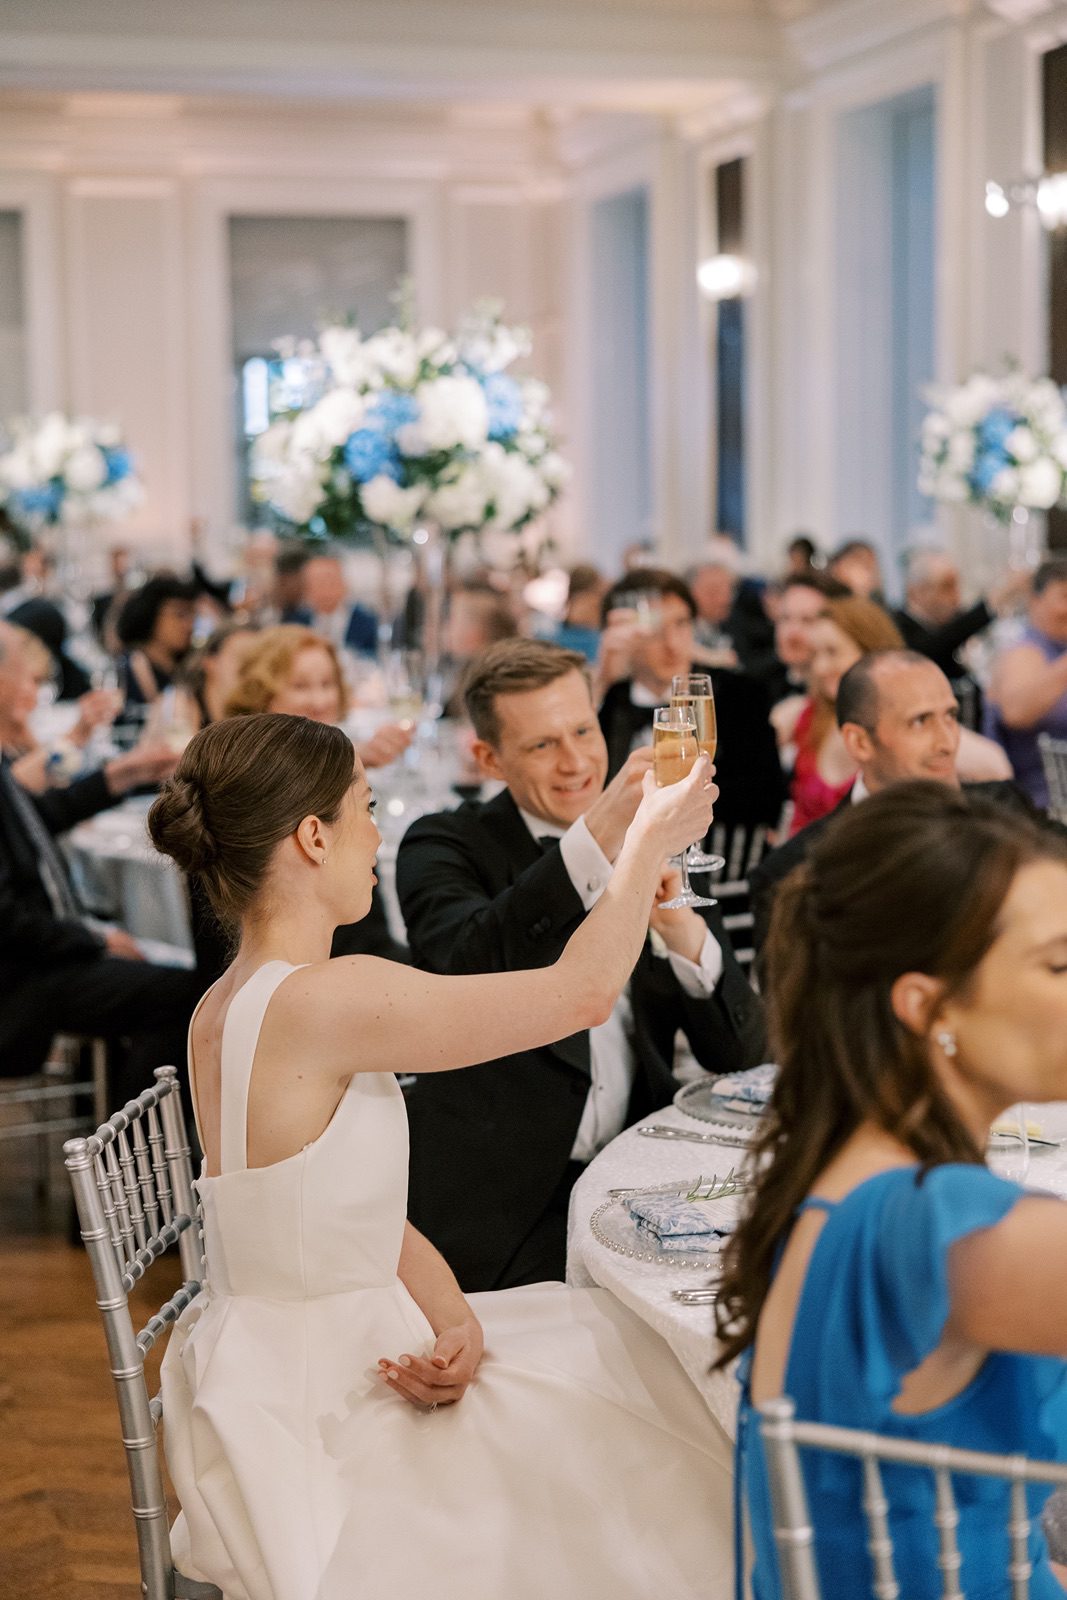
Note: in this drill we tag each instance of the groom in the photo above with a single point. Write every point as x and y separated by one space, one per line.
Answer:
499 886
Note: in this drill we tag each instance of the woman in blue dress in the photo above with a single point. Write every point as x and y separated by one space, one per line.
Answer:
884 1278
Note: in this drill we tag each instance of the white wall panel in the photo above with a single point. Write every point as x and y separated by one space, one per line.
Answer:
126 335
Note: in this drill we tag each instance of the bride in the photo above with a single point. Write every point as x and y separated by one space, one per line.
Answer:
341 1424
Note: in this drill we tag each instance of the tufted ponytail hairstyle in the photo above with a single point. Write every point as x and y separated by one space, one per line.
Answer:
911 880
241 787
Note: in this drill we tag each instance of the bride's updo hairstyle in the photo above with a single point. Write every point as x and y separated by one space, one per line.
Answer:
911 880
241 787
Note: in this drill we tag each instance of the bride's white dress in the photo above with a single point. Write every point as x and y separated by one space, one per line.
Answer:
581 1463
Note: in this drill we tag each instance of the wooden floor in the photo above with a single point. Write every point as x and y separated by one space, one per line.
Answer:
66 1532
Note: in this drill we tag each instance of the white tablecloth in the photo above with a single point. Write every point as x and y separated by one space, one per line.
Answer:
635 1161
119 873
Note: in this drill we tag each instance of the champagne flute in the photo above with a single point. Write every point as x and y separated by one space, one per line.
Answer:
674 750
694 689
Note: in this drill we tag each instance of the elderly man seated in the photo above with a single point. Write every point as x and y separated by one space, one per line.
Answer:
497 886
58 973
899 719
933 620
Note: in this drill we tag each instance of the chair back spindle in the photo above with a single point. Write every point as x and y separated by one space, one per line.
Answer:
132 1183
784 1437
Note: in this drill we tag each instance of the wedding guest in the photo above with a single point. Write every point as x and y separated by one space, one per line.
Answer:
44 619
823 769
855 563
290 669
797 606
155 628
898 718
328 608
37 765
635 671
209 676
341 1421
106 604
1028 687
59 973
295 670
501 885
882 1277
580 628
713 585
476 616
288 598
801 557
934 622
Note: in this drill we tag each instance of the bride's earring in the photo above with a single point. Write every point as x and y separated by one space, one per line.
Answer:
322 861
947 1041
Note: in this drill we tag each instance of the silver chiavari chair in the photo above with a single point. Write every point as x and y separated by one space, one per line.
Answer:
782 1438
1054 761
133 1187
743 848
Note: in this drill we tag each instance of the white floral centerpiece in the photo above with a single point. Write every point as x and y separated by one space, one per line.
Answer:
411 426
998 443
62 472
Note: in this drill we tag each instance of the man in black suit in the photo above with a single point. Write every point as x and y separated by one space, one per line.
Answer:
501 886
58 974
933 621
899 719
638 667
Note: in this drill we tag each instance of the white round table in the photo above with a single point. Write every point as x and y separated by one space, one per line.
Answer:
635 1161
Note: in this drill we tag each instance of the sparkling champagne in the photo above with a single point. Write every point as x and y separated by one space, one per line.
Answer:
674 751
703 709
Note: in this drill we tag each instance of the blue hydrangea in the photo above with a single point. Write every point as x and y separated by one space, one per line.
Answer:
391 410
987 464
369 453
119 465
504 400
995 427
41 502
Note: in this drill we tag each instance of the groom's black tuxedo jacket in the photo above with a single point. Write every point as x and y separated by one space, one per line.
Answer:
490 1145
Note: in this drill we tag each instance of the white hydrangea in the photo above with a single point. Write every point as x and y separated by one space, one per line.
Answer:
1040 484
50 445
968 404
386 502
393 354
339 413
452 415
85 469
462 503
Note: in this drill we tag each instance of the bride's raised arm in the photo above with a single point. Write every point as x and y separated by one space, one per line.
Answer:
377 1016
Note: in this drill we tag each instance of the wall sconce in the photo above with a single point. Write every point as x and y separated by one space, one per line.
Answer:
725 277
1046 194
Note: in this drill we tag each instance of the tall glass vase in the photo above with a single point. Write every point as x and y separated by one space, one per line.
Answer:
433 568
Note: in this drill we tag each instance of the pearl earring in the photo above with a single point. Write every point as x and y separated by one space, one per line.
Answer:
322 862
947 1041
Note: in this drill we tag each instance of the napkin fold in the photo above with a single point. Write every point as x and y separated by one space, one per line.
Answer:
745 1091
681 1224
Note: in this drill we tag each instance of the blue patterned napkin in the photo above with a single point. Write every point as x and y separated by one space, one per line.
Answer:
681 1224
745 1091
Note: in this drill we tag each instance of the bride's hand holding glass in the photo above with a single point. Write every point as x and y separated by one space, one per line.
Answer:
675 809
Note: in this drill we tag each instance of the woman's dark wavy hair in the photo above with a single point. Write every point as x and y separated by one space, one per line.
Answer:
136 622
911 880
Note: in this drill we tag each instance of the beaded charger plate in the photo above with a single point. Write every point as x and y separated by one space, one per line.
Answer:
697 1100
614 1228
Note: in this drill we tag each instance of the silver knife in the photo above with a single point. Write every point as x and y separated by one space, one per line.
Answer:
664 1130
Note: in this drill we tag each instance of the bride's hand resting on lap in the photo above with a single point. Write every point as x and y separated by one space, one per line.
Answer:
442 1378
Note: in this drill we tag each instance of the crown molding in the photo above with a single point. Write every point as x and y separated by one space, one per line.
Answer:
830 36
